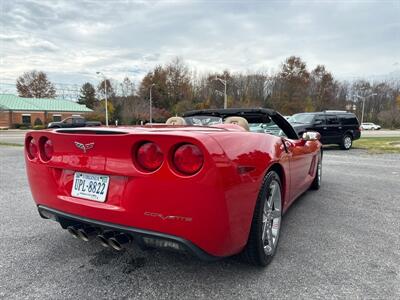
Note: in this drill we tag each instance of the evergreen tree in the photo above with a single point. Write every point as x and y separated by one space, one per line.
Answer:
88 95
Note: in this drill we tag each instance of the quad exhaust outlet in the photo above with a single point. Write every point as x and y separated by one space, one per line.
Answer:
73 230
81 232
104 237
117 242
85 234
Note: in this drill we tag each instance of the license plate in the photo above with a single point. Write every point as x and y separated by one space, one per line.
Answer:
90 186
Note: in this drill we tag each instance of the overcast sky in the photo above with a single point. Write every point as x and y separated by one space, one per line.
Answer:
72 40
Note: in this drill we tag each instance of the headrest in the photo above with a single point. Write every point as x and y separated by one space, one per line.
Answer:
176 121
242 122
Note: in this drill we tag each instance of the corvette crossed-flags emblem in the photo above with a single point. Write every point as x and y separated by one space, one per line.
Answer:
84 147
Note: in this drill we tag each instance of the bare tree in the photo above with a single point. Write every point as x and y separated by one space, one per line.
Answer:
35 84
322 88
290 91
127 87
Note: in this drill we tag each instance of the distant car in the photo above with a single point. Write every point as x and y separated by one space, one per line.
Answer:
73 122
335 127
370 126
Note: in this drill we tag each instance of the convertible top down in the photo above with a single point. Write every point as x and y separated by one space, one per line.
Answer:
213 183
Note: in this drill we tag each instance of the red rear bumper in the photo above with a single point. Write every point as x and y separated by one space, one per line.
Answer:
139 235
201 211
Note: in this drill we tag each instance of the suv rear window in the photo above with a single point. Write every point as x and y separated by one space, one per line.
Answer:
304 118
320 119
331 120
348 119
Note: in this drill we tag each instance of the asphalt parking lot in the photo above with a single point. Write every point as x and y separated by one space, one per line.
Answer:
339 242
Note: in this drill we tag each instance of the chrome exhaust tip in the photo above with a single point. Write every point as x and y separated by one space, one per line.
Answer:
85 234
117 242
73 231
103 238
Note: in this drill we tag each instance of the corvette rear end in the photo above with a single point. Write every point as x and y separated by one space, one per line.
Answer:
213 183
157 187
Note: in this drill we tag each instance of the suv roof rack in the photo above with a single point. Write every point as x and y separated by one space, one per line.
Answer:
335 111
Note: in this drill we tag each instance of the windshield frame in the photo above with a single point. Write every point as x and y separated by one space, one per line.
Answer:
252 115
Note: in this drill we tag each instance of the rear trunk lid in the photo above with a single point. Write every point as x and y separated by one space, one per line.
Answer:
111 151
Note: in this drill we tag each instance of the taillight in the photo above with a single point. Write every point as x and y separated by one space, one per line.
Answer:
46 149
188 159
149 156
31 148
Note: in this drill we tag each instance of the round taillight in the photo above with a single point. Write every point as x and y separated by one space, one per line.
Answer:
47 149
31 148
188 159
149 156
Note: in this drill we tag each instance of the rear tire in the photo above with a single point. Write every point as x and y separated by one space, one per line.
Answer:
347 142
265 227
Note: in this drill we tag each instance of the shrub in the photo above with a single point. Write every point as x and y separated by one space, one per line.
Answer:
38 122
20 126
16 125
38 127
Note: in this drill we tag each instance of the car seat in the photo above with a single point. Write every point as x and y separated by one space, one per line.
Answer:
177 121
242 122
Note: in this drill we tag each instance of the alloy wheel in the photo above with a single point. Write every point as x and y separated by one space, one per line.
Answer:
272 216
347 142
319 172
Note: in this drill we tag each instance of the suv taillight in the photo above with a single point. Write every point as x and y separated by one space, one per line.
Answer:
149 156
188 159
31 148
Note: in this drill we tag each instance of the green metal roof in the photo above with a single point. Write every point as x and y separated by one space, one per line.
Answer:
12 102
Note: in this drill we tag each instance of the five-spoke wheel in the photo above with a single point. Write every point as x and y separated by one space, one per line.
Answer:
265 228
271 221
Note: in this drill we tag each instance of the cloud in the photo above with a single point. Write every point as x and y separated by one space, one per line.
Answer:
74 39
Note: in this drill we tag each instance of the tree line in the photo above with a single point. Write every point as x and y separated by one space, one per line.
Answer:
176 88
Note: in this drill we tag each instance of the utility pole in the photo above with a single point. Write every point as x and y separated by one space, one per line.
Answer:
105 94
363 98
224 82
151 103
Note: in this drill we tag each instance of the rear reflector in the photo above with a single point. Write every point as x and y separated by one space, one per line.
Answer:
188 159
161 243
149 156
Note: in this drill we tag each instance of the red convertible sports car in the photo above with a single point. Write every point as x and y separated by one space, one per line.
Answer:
213 183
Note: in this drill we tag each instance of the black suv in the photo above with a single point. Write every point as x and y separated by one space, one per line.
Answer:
335 127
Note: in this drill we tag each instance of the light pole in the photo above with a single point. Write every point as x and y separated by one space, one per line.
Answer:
224 82
363 98
151 103
105 94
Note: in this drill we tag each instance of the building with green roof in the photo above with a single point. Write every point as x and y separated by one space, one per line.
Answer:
16 110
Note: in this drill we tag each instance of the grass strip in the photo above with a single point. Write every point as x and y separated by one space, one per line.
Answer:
11 144
378 144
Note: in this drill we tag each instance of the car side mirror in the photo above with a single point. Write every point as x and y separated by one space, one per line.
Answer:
318 122
311 136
